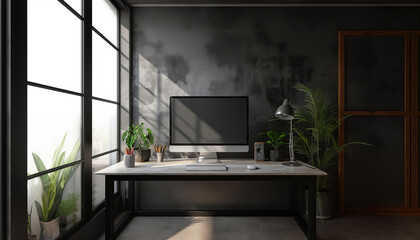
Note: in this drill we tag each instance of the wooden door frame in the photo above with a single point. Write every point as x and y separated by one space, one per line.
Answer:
410 114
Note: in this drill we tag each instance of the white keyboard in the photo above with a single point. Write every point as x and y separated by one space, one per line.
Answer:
199 167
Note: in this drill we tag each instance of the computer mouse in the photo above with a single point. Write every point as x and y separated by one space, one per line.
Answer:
251 167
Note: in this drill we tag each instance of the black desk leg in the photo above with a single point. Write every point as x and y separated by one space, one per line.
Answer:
109 206
312 209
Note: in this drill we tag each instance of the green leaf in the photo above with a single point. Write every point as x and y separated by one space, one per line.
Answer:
39 211
55 183
315 127
57 152
45 179
73 153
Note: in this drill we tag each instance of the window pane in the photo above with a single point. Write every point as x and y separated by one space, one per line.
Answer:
104 127
67 201
53 118
105 19
76 5
124 81
374 73
98 181
104 69
374 176
54 45
418 76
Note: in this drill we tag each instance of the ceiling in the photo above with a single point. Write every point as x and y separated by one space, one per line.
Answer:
294 3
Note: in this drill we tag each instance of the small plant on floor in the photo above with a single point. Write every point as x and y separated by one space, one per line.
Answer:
30 236
68 207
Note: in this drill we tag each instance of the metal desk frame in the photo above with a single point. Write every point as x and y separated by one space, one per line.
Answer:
306 218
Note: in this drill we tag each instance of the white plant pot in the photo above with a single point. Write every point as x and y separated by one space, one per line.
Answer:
129 160
323 206
50 230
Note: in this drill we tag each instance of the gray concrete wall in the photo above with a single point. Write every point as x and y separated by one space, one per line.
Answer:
260 52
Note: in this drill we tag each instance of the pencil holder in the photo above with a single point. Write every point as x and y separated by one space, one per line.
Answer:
160 156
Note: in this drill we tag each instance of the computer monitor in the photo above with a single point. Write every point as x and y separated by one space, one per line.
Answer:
208 125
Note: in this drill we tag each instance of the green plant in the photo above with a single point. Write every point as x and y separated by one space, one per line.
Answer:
54 184
68 206
29 224
130 138
144 141
276 139
315 128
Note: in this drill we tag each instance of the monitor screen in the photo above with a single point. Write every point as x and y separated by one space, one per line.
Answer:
209 121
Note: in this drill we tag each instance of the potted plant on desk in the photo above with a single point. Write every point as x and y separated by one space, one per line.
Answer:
143 142
275 140
316 127
129 137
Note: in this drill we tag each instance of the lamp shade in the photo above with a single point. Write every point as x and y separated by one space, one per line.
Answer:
285 111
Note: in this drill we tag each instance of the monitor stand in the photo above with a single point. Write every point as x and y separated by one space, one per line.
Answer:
208 157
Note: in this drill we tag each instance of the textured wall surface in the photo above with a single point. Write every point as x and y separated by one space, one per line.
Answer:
260 52
257 52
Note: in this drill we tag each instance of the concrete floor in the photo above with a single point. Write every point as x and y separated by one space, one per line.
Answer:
267 228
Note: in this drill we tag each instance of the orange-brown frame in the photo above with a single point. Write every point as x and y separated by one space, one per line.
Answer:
410 114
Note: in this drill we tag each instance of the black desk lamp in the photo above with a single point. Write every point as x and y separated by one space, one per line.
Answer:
286 112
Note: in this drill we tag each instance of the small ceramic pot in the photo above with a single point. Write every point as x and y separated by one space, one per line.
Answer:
142 156
275 155
129 160
159 157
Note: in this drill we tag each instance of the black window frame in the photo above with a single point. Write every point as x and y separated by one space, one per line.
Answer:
14 85
2 120
100 206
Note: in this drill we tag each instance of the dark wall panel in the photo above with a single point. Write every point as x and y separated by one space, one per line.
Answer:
218 195
260 52
374 73
375 175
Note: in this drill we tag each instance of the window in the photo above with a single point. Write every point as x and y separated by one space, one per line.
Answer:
54 110
105 92
59 111
381 67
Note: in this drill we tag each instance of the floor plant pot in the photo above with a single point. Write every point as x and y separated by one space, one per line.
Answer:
129 160
50 230
323 205
142 155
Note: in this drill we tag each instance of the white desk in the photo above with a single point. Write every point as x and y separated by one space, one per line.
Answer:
237 171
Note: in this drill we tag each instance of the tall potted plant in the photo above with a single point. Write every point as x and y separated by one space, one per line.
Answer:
53 186
316 127
144 140
276 141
